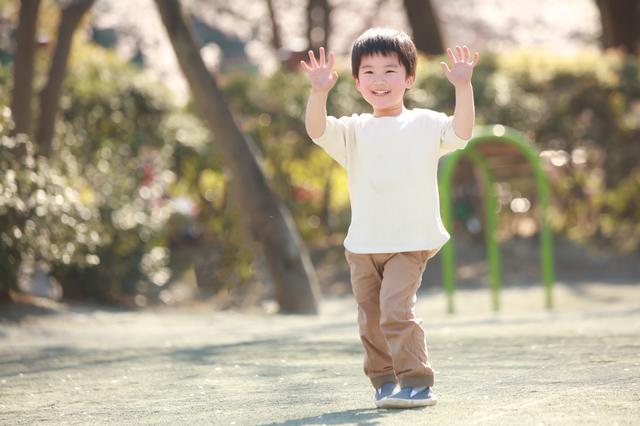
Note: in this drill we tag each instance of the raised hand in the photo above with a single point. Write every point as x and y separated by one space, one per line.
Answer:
461 68
322 79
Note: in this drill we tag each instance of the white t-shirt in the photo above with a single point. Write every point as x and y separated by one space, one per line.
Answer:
392 167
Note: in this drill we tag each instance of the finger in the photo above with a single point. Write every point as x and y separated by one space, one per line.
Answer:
330 63
467 54
445 68
322 58
305 66
312 60
460 54
475 59
335 75
451 57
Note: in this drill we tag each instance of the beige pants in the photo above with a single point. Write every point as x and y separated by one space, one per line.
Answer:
385 286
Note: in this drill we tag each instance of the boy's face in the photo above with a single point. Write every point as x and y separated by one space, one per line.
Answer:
382 80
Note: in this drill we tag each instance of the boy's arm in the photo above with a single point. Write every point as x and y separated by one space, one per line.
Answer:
322 80
464 114
316 116
460 76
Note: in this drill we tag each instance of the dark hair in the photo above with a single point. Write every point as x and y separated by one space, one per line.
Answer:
383 41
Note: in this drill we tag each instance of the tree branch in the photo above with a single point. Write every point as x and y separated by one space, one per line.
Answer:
287 260
23 70
50 94
425 25
275 42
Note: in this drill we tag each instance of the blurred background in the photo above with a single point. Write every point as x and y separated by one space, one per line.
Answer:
112 189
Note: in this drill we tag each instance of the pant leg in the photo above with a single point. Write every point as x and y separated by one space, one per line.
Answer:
402 277
366 279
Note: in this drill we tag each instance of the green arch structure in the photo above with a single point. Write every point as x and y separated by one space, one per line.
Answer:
494 133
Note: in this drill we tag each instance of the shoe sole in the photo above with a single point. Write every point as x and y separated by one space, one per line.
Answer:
391 402
380 403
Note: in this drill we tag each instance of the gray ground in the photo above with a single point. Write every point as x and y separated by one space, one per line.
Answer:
578 364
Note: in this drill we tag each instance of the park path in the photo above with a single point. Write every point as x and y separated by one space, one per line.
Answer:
578 364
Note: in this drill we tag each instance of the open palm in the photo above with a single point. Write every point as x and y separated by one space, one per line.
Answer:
322 79
461 68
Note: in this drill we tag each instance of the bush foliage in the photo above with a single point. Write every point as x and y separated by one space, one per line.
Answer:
129 174
133 174
582 112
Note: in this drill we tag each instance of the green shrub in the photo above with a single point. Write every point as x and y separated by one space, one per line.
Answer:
43 217
124 158
587 105
133 174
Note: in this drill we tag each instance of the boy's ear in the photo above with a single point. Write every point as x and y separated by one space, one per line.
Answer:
357 83
410 80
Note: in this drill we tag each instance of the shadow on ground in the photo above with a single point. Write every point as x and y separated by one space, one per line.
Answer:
361 417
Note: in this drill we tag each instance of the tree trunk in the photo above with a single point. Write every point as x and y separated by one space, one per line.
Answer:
23 70
318 28
425 25
50 94
275 42
620 24
287 260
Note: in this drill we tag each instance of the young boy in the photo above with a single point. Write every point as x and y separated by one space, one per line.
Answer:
391 157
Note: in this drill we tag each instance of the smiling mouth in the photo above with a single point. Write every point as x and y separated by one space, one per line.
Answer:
380 92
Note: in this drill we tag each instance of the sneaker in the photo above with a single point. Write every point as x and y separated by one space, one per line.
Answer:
385 391
408 398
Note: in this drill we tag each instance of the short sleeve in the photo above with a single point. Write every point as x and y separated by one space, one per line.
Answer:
334 138
449 141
